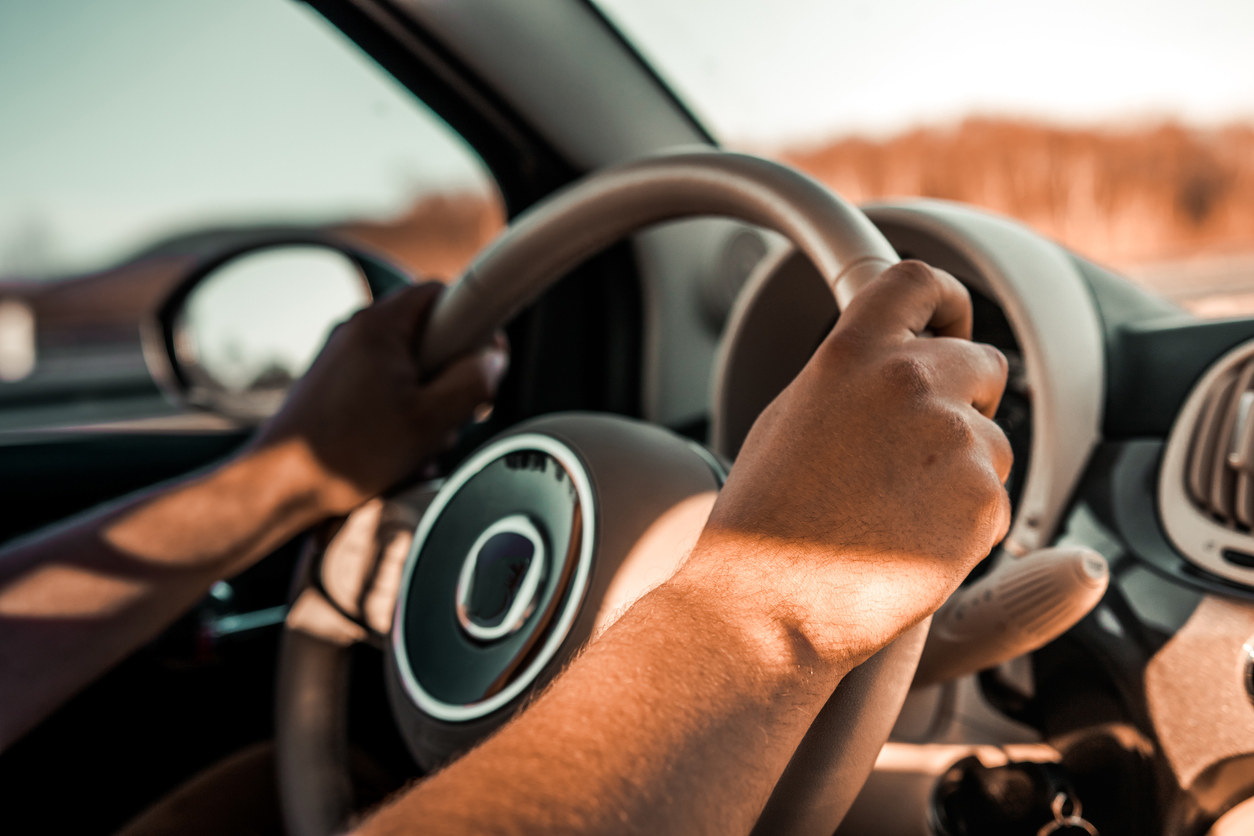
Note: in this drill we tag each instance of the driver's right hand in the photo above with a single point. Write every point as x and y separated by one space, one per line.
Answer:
874 482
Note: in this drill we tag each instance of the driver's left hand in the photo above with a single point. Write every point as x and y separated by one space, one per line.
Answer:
362 418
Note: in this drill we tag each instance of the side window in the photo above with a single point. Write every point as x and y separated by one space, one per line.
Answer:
141 129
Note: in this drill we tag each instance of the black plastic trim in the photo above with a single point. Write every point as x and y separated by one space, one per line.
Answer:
1155 353
1121 489
524 166
649 70
563 356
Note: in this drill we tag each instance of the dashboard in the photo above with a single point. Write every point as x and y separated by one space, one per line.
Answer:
1107 405
1029 300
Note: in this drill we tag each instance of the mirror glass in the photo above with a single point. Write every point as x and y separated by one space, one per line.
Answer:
256 323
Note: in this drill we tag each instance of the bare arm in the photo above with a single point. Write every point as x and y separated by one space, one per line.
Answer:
76 599
862 497
677 720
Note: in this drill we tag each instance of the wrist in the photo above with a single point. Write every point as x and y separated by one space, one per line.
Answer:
284 481
284 475
814 607
762 619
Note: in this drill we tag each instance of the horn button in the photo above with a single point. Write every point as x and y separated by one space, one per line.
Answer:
495 578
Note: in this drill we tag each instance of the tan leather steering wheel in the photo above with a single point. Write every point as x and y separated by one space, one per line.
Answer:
838 753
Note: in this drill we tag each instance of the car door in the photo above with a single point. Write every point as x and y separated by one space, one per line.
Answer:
140 138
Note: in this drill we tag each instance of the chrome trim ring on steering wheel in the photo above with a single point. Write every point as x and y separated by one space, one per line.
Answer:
569 599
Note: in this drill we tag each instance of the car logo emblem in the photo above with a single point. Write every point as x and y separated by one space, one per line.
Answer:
500 579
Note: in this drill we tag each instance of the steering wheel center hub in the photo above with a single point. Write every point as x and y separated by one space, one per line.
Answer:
472 633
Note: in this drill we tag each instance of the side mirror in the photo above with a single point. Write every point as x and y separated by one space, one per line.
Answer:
246 325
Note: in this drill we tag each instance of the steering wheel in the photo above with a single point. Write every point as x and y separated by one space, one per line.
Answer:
586 512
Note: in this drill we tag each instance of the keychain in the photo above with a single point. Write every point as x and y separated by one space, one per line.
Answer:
1067 818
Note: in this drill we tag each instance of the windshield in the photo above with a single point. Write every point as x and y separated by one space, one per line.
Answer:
1126 132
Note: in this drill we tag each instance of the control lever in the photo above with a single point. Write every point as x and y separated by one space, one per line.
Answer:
1022 604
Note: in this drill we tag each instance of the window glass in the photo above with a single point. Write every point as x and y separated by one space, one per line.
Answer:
1125 131
135 121
140 133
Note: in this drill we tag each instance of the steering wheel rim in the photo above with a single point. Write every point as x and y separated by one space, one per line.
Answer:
822 779
579 221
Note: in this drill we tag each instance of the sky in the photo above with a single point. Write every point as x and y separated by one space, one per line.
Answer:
124 120
797 71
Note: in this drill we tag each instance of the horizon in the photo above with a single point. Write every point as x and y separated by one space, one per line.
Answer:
62 210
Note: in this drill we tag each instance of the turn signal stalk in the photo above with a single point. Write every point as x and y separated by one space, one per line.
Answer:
1022 604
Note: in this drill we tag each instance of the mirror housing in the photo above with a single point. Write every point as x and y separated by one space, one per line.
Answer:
247 322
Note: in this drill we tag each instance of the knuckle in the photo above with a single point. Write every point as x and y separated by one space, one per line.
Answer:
338 331
912 272
841 344
954 431
358 323
986 495
1002 448
907 376
925 278
1000 513
856 341
993 517
993 489
346 335
922 279
999 359
1002 464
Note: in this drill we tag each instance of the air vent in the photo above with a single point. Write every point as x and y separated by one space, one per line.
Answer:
1206 487
1218 476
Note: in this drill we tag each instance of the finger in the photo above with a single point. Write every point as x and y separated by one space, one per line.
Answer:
910 298
996 445
451 397
973 373
407 308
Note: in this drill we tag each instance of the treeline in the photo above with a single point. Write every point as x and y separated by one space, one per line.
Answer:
1125 196
1122 195
437 237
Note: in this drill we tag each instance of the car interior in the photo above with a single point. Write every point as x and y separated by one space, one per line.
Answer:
657 291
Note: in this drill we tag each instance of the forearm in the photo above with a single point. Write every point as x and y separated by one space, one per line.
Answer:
678 720
77 599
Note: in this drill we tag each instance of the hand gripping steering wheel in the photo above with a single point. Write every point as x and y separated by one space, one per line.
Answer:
585 513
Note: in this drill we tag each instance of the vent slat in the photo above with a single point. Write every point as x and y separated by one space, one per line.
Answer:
1205 440
1219 468
1241 459
1201 446
1243 499
1223 485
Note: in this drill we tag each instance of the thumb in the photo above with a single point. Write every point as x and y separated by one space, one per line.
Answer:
462 386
